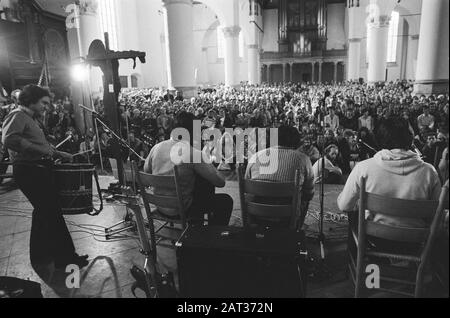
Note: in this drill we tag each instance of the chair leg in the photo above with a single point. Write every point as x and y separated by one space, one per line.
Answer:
359 277
153 239
419 281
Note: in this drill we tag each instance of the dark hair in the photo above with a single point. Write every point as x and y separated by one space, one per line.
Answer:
186 120
394 133
31 94
288 137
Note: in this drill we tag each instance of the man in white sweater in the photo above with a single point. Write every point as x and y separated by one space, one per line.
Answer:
394 172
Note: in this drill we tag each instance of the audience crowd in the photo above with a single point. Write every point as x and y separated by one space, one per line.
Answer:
337 120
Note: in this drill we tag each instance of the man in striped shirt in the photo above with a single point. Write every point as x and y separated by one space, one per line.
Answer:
289 161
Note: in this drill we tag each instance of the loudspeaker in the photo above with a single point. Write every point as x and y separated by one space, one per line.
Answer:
225 262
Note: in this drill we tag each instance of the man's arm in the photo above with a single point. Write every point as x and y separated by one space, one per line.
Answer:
349 196
210 173
12 131
308 185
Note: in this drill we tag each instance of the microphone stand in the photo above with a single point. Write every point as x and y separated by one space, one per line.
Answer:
129 224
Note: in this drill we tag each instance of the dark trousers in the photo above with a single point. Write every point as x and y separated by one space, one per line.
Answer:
50 238
218 206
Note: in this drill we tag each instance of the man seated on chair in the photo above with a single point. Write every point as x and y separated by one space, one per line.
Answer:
395 172
289 161
332 173
198 180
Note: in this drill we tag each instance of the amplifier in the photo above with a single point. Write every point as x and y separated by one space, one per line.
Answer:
226 262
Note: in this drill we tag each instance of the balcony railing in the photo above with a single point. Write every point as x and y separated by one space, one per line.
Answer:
311 54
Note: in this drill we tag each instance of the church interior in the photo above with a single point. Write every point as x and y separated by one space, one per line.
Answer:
258 149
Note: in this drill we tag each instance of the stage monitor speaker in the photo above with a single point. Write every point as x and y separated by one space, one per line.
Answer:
224 262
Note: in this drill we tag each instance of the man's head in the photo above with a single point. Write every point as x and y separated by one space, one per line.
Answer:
394 133
35 98
288 137
426 110
331 152
349 135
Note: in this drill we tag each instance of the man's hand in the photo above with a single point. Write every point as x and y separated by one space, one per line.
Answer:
64 156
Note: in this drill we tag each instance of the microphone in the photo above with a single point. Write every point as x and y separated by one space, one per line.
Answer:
416 150
365 144
92 111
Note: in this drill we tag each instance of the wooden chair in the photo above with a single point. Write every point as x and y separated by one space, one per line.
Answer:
129 178
249 189
422 237
175 202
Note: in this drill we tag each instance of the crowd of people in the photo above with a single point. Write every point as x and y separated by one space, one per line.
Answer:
338 121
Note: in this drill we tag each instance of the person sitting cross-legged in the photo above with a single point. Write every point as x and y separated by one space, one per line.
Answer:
394 172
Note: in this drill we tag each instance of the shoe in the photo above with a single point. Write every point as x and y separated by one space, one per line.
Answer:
80 261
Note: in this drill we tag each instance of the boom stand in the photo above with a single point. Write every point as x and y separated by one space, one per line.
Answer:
129 224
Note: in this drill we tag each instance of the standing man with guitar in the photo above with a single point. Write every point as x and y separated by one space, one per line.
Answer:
32 157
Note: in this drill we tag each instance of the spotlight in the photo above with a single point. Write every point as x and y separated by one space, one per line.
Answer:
79 72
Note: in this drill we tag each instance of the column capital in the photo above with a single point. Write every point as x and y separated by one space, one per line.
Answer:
379 21
88 7
415 37
253 46
171 2
231 31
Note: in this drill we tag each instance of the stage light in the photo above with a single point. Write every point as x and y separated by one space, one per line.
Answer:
79 72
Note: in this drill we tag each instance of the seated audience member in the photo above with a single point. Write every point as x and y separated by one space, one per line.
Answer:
395 172
197 180
310 150
333 174
443 166
345 144
430 149
289 161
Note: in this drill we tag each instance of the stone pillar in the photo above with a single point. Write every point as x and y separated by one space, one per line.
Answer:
354 59
284 72
344 72
231 55
320 72
253 57
291 71
81 32
432 59
178 20
378 29
313 78
268 75
335 71
203 76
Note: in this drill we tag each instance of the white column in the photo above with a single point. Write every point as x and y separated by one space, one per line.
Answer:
178 24
291 69
253 57
203 76
320 72
335 71
432 59
354 59
378 30
231 34
81 32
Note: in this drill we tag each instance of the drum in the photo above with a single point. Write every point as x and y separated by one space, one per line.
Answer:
74 186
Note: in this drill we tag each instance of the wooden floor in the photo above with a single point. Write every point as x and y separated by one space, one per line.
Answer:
109 276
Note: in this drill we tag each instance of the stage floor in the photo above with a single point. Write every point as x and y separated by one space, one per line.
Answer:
110 276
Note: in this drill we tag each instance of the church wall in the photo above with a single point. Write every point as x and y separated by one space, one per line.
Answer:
151 40
270 39
336 26
407 47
